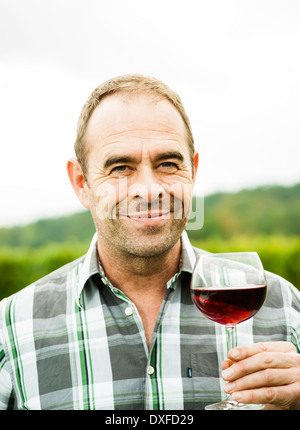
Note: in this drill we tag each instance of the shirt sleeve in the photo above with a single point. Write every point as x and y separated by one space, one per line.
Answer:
5 383
295 316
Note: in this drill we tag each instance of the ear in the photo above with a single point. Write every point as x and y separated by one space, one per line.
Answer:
78 182
196 163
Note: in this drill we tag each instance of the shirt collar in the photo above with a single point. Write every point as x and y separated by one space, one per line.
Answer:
188 255
87 268
90 264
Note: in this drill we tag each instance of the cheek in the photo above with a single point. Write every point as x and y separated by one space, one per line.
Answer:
107 196
182 194
180 191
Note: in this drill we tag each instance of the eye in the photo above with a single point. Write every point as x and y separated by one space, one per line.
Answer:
169 165
121 170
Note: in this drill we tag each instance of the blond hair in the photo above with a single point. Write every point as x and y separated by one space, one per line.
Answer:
130 84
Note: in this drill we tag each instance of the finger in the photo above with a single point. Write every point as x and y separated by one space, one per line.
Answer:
263 395
282 397
264 360
264 378
227 363
242 352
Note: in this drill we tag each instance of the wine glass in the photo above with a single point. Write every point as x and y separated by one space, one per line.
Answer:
229 288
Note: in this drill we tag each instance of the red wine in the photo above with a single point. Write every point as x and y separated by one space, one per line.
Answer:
229 306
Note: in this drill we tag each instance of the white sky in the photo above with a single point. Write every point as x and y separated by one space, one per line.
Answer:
235 63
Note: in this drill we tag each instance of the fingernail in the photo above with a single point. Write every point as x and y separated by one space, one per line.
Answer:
234 353
227 373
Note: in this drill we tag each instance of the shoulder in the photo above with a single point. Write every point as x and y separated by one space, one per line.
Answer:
51 288
58 276
281 293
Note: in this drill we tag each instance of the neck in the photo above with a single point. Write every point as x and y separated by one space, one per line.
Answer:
134 275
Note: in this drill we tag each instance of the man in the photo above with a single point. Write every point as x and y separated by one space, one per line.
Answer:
117 329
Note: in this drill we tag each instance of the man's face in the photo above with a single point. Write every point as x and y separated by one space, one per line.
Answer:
139 174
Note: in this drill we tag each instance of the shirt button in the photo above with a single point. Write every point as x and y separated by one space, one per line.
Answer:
150 370
128 311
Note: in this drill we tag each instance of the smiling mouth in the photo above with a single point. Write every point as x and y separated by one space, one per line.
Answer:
148 218
148 215
145 212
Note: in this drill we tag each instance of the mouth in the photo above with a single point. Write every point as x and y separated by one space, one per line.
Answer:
149 218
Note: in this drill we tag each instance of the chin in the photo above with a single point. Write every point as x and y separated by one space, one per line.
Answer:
152 247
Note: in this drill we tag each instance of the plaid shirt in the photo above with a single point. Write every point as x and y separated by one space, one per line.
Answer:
73 341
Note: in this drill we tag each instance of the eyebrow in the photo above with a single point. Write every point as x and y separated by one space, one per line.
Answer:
170 154
125 159
117 159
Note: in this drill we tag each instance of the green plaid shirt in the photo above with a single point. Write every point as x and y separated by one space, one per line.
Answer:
73 341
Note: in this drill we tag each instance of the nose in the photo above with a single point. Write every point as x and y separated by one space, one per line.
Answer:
146 186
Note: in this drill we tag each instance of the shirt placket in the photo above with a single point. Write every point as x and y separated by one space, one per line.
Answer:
153 393
154 397
129 308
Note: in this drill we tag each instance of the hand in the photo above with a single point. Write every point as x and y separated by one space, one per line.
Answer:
267 373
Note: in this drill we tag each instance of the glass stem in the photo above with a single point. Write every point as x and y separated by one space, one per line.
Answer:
230 338
231 343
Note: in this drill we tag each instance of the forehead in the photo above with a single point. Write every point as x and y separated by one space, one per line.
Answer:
135 116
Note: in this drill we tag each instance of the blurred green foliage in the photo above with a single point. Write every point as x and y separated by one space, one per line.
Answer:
266 220
265 211
75 228
21 266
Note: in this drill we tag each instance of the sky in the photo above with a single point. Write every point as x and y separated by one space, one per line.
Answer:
235 64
